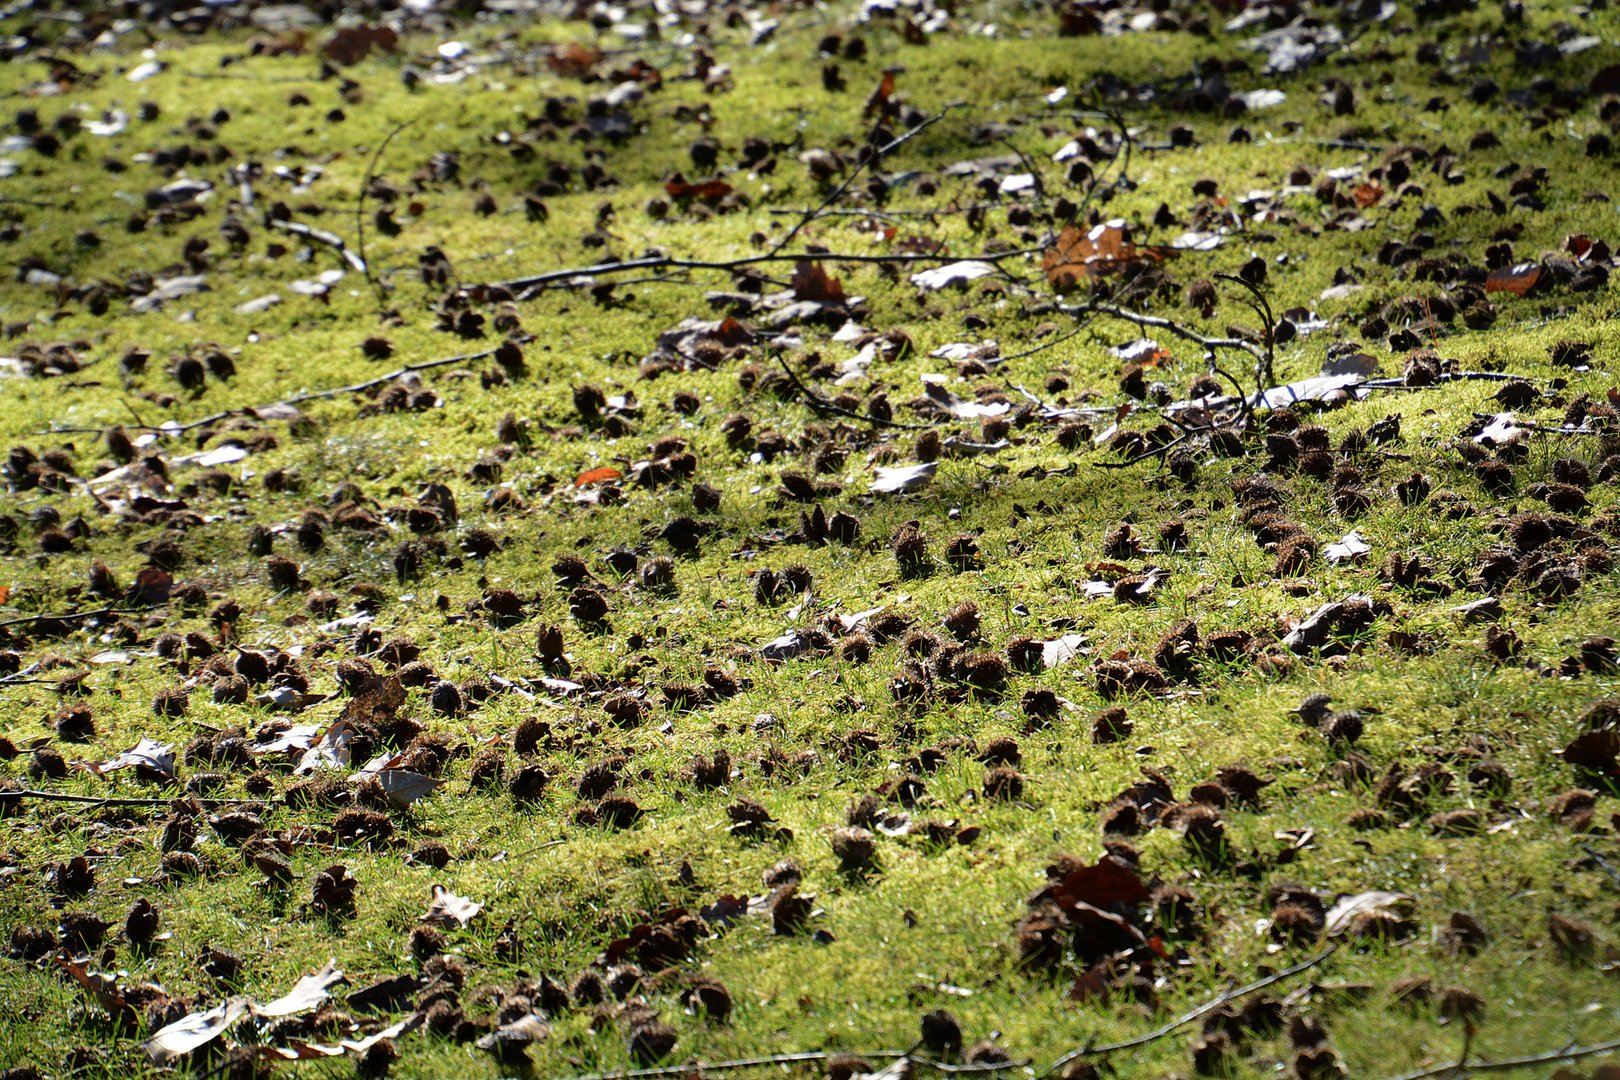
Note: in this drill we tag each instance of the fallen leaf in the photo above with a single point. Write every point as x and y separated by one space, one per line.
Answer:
942 276
573 60
195 1030
1517 279
1349 549
901 479
1348 907
1061 650
812 282
449 910
353 44
597 476
1105 249
679 188
404 786
148 752
305 995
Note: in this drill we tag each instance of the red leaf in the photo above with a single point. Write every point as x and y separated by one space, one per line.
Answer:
1517 279
597 476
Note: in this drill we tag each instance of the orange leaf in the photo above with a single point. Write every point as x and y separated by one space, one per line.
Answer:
597 476
881 96
713 188
5 593
573 60
1104 249
1517 279
1367 194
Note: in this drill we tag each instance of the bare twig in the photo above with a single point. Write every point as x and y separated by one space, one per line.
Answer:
1603 864
1570 1052
521 285
310 395
1144 455
821 404
871 159
1092 1050
1264 373
109 800
319 236
70 616
360 209
1160 323
976 1068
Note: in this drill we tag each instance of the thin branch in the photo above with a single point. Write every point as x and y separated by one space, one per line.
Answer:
669 262
108 800
1035 174
308 395
695 1068
1265 373
872 159
1091 1050
1160 323
1144 455
1603 864
360 209
1551 1057
71 616
821 404
319 236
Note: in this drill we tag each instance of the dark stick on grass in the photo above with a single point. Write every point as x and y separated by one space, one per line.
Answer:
1264 373
110 800
298 399
71 616
1093 1050
1158 322
821 404
979 1068
1603 864
320 236
360 208
872 159
1571 1052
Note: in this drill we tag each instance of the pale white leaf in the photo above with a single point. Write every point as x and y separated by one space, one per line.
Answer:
1062 649
305 995
1349 549
403 786
900 479
958 272
194 1030
154 755
449 910
1348 907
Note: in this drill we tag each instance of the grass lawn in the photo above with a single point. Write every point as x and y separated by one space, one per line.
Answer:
660 535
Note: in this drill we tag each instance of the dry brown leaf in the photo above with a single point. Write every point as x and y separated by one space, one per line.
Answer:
1104 249
354 43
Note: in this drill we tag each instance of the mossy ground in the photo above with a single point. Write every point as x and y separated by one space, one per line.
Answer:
928 927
